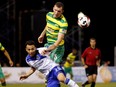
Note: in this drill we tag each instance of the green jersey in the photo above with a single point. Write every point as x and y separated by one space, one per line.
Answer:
1 47
1 73
55 26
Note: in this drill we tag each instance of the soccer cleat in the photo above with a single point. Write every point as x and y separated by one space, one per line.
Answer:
3 84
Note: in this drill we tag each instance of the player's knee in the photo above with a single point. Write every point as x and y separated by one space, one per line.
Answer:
90 80
61 77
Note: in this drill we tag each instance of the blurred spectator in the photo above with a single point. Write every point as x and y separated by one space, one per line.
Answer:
18 65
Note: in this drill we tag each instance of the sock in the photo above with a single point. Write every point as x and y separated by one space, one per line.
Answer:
3 84
93 84
71 83
66 81
85 83
46 83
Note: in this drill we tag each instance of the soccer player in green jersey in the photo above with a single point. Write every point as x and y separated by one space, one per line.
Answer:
69 63
2 77
55 30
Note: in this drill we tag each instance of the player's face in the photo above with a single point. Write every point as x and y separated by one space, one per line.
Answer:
31 50
57 11
74 51
92 43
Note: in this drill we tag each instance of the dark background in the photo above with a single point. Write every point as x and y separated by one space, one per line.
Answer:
21 20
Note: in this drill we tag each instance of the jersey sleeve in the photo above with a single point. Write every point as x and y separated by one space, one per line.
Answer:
41 49
2 47
84 53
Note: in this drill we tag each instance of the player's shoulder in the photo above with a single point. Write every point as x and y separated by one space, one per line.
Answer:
0 44
27 58
70 54
49 13
88 48
98 49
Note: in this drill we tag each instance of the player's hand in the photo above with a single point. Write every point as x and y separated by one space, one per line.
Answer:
85 66
43 52
23 77
11 63
40 39
98 63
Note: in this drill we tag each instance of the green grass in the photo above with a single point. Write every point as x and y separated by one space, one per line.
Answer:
113 84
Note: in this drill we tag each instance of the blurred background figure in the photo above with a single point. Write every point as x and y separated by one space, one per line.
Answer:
18 65
106 63
105 72
2 77
69 63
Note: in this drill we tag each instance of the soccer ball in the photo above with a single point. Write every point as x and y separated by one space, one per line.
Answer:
83 20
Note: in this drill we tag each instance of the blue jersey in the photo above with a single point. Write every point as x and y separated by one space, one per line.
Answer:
41 63
46 66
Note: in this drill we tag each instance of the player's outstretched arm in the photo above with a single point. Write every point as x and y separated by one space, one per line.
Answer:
8 57
41 37
31 71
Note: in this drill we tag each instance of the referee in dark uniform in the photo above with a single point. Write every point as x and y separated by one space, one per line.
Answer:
91 60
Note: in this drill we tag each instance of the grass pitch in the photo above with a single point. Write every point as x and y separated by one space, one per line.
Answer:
113 84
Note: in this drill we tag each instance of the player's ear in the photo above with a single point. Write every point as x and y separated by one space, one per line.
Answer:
62 11
53 8
26 49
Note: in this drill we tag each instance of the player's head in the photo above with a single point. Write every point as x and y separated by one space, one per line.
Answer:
58 9
74 51
30 47
92 42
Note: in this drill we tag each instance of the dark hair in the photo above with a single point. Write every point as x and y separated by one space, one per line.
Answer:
92 39
59 4
30 42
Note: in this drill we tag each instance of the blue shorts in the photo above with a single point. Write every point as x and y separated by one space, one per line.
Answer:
52 80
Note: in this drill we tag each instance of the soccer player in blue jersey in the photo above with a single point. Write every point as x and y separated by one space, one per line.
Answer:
53 72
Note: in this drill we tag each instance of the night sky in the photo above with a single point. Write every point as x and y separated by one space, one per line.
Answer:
100 13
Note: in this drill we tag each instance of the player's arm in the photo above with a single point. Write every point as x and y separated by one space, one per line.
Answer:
83 56
68 59
99 59
41 37
53 46
8 57
56 44
98 62
30 72
83 62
